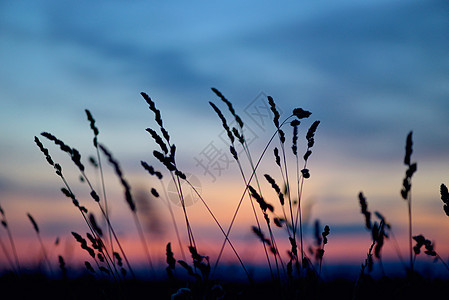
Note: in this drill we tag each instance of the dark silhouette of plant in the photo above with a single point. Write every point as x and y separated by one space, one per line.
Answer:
379 232
44 251
429 249
406 190
445 198
5 225
67 191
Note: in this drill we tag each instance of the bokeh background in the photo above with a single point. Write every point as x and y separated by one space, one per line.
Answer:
370 71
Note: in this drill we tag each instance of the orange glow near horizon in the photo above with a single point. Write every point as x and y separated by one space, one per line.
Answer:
348 241
329 196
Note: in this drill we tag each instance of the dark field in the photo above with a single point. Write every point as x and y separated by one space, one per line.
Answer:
37 286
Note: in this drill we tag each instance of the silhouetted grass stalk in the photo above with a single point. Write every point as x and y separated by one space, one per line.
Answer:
76 158
178 186
281 136
249 157
221 229
5 224
406 190
242 140
83 212
44 251
100 167
109 225
253 173
300 114
158 174
168 160
310 136
8 258
131 204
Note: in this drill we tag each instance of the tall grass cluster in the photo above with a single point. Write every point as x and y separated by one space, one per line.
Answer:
276 202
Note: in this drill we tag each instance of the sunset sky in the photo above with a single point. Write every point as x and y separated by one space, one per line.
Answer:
370 71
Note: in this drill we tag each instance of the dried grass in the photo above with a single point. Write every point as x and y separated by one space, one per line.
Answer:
297 276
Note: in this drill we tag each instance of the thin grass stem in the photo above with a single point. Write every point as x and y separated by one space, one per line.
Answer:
143 241
175 226
13 245
221 229
8 258
247 185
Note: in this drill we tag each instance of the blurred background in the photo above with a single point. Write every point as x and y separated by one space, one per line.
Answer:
370 71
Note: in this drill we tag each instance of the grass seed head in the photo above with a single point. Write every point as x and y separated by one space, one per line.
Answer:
408 149
180 174
93 241
273 183
260 235
276 156
305 173
278 222
295 124
58 142
157 138
67 193
166 161
93 162
325 233
230 107
233 152
301 114
364 209
154 192
62 266
89 267
118 258
44 151
311 134
33 222
281 136
189 269
157 113
118 171
151 170
79 238
294 249
275 111
171 157
92 122
171 261
76 158
275 187
165 134
445 198
224 122
444 194
95 196
239 136
58 169
94 224
93 127
406 183
263 205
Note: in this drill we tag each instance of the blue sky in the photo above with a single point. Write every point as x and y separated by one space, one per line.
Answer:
371 71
